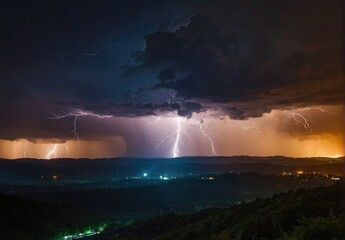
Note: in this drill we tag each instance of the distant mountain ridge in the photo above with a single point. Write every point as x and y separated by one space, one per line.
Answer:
279 160
33 169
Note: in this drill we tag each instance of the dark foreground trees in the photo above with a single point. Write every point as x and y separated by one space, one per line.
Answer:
316 213
22 218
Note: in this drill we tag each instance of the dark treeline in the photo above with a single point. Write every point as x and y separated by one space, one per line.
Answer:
307 214
22 218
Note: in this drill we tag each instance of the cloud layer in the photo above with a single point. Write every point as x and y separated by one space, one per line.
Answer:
210 70
133 59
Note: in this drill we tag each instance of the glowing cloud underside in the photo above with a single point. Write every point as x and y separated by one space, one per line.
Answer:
294 132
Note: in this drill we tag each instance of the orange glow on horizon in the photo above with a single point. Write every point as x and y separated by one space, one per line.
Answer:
23 148
274 133
95 149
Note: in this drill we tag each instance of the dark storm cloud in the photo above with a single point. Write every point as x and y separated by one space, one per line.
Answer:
65 55
218 71
241 58
72 49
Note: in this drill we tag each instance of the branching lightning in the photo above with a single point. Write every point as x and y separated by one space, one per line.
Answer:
160 142
78 113
173 136
297 115
176 136
207 135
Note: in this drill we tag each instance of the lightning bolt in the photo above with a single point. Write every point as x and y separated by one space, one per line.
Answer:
174 136
213 149
52 152
78 113
297 115
176 149
160 142
180 132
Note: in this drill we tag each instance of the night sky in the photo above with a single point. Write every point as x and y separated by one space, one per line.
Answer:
171 78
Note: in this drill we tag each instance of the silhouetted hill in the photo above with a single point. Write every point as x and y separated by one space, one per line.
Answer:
308 214
26 219
278 160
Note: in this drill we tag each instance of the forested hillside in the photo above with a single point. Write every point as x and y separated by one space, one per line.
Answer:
308 214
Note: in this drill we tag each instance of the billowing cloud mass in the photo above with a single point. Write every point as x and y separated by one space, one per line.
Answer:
208 70
246 64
